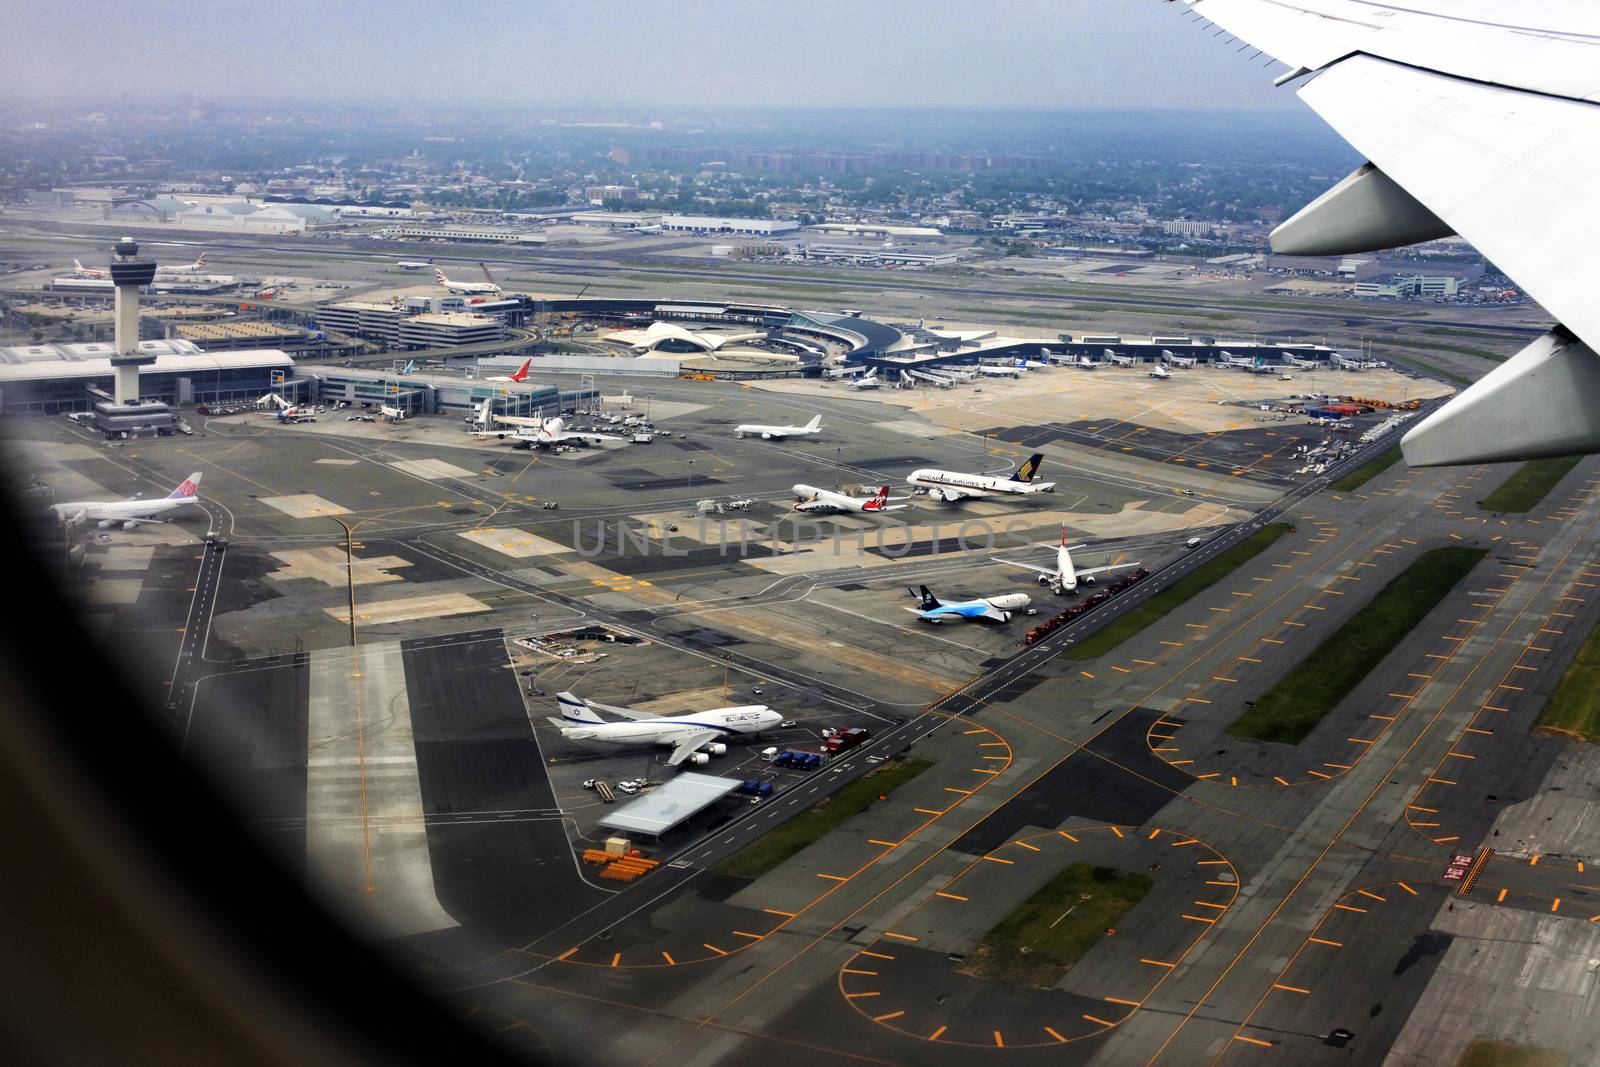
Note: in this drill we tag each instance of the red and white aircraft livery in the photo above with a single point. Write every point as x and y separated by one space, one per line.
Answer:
810 498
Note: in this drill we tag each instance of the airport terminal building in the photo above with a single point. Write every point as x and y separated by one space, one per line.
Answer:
56 379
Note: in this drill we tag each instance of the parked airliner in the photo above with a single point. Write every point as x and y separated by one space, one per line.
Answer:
778 433
694 736
988 609
130 513
1065 578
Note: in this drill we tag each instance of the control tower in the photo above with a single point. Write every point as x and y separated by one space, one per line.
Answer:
128 272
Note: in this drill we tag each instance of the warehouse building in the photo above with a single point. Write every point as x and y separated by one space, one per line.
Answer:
714 224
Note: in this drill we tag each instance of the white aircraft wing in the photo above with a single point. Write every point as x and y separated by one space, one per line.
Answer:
626 713
686 745
992 612
1027 566
951 493
1085 572
816 505
1480 118
567 435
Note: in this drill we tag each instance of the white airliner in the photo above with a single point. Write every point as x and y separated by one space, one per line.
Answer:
1064 577
871 381
778 433
486 288
551 432
933 611
197 267
414 264
695 737
130 513
1476 119
993 371
518 375
90 272
810 498
951 486
1160 371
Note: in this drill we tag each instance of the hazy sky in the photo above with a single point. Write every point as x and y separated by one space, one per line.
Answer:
695 53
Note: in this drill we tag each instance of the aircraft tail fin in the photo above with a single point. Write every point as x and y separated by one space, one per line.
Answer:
522 371
574 709
815 423
1029 468
201 261
879 499
188 489
929 601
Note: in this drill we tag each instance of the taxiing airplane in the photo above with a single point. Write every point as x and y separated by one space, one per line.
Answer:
1473 119
197 267
90 272
778 433
487 288
810 498
1064 577
545 435
518 375
1160 371
695 737
950 486
988 609
414 264
130 513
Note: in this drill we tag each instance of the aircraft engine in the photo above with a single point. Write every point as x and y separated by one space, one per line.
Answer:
716 748
1089 580
699 759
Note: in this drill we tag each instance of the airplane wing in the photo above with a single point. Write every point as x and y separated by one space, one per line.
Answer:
1027 566
686 745
949 493
1084 573
815 505
132 522
1481 119
991 612
626 713
566 436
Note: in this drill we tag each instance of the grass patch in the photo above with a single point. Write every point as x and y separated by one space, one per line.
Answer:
1573 710
759 857
1367 471
1291 709
1485 1052
1528 484
1433 369
1120 629
1058 925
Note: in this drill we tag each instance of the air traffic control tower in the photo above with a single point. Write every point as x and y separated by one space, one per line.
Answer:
128 273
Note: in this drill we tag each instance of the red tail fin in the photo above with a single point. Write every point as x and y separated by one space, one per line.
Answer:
522 371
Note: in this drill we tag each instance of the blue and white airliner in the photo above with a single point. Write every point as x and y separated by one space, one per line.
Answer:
695 736
983 609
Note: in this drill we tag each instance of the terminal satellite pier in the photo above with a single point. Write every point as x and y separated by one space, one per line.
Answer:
128 273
